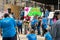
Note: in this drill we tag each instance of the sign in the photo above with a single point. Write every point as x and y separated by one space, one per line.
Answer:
33 11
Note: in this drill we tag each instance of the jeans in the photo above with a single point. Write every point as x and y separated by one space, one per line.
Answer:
20 28
38 30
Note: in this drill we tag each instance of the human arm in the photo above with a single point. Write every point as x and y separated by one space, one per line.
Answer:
14 22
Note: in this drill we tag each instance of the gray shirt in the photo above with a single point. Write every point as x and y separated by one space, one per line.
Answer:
55 30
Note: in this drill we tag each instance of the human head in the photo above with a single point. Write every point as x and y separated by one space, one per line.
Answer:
39 18
9 10
27 15
6 15
57 14
22 8
32 31
36 16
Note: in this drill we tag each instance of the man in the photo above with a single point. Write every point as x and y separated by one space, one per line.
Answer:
47 34
39 25
46 13
34 23
44 24
22 13
27 21
8 28
55 31
19 24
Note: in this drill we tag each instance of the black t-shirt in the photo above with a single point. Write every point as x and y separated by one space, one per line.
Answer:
39 23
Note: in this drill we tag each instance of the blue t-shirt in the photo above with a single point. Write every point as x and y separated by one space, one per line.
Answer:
8 27
48 36
19 23
46 13
34 21
22 13
51 22
44 23
32 37
0 23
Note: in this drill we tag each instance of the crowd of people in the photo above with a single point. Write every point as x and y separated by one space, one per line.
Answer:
50 29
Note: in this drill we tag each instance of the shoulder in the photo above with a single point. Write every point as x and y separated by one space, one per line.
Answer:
46 34
0 21
58 21
12 18
28 35
35 34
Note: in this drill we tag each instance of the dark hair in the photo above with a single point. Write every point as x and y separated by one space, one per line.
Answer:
9 10
32 31
6 15
56 14
55 17
23 8
39 17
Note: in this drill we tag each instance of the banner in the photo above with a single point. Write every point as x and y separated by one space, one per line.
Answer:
33 11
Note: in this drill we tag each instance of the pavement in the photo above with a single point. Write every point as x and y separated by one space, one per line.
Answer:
23 37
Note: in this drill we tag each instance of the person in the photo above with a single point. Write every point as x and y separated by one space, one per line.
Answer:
8 28
47 34
22 13
11 14
32 35
44 24
39 24
55 31
19 24
27 22
34 23
46 13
